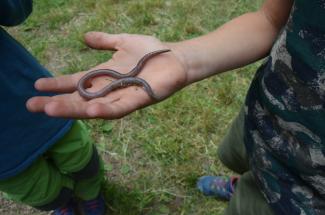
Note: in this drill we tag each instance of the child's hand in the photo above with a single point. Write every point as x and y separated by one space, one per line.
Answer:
165 73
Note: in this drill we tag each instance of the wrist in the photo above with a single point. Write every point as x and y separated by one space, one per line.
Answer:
186 57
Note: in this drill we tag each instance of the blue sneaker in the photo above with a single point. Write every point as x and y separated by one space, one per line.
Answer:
68 209
93 207
220 187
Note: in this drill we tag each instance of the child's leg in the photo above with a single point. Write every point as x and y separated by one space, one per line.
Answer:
89 188
73 167
232 151
76 156
41 186
248 199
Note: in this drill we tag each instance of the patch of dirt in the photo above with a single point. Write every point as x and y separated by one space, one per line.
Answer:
10 208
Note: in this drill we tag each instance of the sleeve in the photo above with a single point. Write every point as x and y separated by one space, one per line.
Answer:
14 12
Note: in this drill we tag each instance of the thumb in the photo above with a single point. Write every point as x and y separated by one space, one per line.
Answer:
104 41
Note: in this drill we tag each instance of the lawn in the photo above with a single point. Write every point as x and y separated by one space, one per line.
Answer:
153 156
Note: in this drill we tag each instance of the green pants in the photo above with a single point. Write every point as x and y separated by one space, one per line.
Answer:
71 168
247 198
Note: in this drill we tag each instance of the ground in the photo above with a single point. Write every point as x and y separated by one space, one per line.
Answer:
154 156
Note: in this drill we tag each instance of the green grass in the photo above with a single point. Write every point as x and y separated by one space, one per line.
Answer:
154 156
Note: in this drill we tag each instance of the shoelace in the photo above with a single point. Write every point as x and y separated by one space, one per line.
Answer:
94 204
224 185
64 211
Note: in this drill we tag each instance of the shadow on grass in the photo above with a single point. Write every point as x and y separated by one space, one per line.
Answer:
123 201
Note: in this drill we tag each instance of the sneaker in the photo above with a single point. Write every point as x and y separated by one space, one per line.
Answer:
69 209
220 187
93 207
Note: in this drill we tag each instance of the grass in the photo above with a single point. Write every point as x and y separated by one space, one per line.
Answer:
154 156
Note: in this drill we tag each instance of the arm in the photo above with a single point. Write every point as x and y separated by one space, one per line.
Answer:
237 43
14 12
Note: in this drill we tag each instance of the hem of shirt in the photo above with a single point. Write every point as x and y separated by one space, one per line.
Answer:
20 168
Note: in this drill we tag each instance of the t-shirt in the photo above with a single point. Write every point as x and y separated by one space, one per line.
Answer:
285 115
24 136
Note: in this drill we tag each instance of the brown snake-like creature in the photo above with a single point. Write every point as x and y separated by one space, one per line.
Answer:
122 80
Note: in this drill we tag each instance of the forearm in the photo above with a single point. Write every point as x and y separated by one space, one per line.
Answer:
239 42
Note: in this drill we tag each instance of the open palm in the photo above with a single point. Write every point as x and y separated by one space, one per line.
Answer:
165 73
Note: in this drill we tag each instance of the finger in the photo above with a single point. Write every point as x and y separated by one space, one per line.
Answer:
61 84
37 104
65 83
60 106
100 40
64 109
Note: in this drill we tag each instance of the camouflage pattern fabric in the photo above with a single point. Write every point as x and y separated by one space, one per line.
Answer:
285 116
